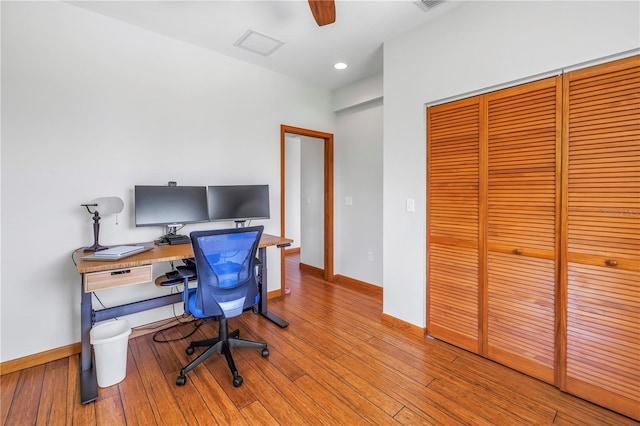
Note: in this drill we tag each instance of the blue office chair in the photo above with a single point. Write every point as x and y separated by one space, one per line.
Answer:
225 261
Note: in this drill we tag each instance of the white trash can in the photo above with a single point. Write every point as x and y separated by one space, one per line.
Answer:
110 341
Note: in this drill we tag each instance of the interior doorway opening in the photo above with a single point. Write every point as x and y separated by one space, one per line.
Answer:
327 140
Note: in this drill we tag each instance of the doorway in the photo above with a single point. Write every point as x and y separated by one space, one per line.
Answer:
327 139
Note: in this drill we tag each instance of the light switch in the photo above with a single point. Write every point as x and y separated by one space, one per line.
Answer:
348 201
411 205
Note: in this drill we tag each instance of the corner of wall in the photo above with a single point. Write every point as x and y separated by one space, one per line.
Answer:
357 93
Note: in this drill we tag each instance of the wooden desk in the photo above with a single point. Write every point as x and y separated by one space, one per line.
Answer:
137 269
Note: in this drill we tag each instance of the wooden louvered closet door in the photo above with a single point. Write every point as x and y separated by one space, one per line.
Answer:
523 194
453 222
602 276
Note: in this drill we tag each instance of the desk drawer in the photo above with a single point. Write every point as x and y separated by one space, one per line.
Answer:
117 278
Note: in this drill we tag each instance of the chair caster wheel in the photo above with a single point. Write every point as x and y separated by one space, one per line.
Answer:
237 381
265 353
190 350
181 380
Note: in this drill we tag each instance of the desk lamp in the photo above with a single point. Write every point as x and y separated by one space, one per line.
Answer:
105 206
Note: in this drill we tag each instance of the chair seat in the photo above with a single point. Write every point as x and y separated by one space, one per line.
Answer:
199 313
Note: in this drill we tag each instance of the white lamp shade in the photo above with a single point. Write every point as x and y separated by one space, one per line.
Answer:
108 205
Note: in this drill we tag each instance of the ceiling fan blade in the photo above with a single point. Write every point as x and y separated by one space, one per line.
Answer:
324 11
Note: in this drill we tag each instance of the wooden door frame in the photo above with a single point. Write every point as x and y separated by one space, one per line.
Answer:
328 195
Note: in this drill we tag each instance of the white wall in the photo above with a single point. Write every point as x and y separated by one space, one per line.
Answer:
474 46
358 168
358 174
91 107
360 92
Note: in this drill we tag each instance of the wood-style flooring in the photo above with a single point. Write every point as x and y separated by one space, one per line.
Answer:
335 364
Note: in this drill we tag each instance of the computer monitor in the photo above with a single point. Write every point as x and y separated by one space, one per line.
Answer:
238 203
171 206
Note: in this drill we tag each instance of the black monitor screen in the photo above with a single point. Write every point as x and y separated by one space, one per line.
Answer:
238 202
170 205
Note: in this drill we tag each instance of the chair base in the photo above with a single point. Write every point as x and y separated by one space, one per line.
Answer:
221 344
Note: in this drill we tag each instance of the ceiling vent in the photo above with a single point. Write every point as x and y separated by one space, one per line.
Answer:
256 42
427 5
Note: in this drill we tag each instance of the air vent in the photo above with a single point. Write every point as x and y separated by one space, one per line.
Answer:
256 42
427 5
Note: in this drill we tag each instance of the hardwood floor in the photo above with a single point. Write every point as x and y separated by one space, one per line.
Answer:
335 364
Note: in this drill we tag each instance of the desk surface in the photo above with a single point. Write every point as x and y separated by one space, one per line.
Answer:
157 254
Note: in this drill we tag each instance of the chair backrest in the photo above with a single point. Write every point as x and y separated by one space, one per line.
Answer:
225 263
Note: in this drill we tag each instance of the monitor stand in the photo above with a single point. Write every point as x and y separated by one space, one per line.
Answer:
172 237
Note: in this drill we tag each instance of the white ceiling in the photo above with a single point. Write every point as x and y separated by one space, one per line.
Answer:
308 52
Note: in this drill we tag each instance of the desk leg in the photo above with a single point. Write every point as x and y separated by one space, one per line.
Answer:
88 380
262 306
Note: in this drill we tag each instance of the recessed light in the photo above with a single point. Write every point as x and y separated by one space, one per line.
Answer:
340 66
